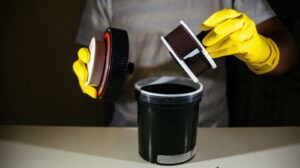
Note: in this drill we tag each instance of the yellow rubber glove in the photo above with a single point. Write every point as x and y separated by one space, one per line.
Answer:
234 33
79 67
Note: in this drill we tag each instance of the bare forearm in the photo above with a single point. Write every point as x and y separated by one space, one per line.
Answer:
288 53
273 29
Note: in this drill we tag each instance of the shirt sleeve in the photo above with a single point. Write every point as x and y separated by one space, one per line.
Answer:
94 21
257 10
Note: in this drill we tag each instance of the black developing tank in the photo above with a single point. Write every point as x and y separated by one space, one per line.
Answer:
167 119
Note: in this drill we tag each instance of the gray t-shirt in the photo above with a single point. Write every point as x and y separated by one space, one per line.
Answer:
145 21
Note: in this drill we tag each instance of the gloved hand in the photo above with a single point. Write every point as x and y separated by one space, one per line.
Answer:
79 67
234 33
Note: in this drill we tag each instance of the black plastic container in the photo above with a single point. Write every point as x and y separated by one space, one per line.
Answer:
167 119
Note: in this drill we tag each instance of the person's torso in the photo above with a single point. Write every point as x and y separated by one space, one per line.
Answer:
147 20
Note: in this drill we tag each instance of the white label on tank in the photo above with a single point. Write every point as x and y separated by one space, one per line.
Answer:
174 159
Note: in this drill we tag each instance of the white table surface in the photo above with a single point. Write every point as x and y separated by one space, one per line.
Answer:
55 147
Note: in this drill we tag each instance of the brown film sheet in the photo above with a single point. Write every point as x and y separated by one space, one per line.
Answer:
182 42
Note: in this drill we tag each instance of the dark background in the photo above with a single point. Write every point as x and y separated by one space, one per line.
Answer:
38 48
38 85
261 100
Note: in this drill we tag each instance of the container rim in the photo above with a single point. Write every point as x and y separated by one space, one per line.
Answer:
168 79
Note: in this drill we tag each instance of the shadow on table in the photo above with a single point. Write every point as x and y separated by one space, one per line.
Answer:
213 143
121 143
112 143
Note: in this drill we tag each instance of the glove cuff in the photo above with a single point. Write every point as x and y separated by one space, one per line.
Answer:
270 63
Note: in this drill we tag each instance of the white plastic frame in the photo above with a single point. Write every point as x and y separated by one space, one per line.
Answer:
181 62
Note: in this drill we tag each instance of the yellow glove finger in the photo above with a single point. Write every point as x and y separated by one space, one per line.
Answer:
239 36
80 70
225 43
218 18
223 30
226 51
84 55
238 50
89 90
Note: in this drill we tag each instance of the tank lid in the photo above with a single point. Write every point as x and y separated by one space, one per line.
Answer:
109 64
